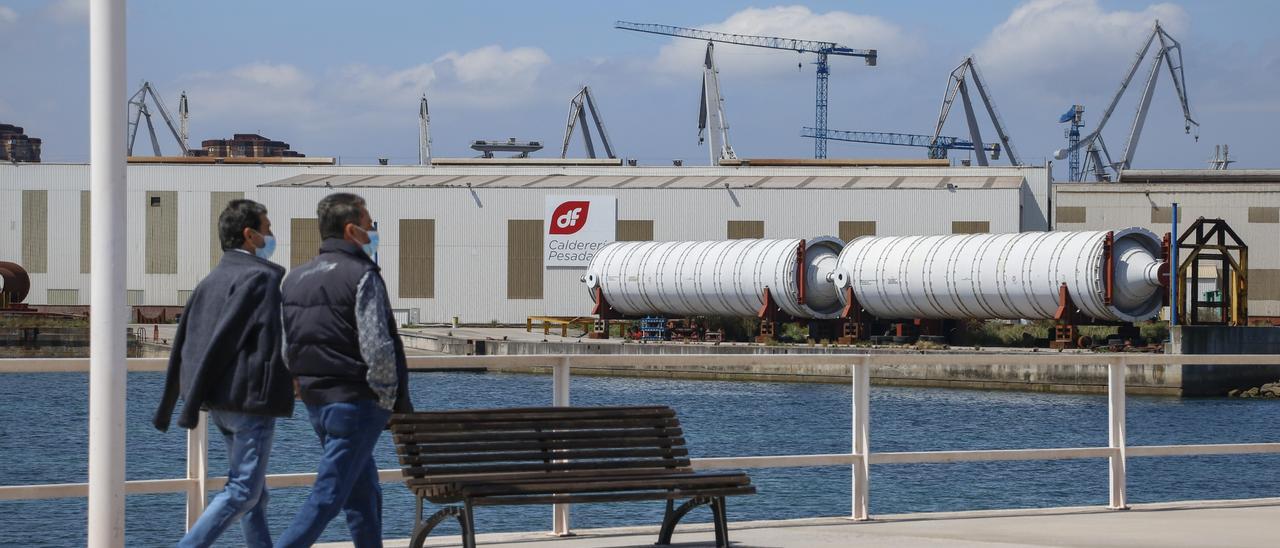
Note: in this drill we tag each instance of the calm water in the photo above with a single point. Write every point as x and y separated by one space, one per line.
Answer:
43 440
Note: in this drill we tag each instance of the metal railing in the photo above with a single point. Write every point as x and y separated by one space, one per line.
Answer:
197 484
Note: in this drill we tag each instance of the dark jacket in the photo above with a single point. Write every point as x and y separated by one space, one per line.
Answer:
339 349
227 354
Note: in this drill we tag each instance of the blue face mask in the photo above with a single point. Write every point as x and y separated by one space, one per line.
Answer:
268 247
372 247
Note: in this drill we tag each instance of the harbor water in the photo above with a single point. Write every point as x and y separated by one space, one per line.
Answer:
43 439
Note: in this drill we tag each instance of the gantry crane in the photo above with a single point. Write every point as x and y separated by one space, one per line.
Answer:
823 49
582 104
958 82
138 110
937 145
1170 55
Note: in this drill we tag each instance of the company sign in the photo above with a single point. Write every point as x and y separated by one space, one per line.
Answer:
576 228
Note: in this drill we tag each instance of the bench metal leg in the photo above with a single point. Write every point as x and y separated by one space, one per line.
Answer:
672 517
422 529
722 522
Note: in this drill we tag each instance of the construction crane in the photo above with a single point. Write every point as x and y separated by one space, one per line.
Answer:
138 111
1074 115
424 132
711 119
937 145
822 49
1097 158
579 106
958 83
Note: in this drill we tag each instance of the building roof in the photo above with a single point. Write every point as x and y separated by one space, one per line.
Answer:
629 181
1155 176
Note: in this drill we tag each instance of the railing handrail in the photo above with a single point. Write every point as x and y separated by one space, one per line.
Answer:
860 457
81 365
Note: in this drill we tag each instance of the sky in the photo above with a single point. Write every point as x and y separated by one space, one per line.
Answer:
340 78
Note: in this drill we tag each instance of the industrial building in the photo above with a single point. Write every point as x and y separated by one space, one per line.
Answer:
1249 200
467 240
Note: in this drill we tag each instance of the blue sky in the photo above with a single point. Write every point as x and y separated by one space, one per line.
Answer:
341 78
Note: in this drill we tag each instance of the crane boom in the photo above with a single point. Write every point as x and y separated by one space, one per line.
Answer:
958 84
938 146
821 48
138 103
771 42
580 106
711 118
1170 55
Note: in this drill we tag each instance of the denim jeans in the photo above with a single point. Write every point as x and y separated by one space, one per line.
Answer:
249 439
347 478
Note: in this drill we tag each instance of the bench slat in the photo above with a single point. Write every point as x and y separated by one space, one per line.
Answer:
502 424
550 413
605 485
554 466
535 445
397 417
463 437
612 497
429 459
536 475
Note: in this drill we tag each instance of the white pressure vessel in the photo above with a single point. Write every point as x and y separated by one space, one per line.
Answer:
725 278
1010 276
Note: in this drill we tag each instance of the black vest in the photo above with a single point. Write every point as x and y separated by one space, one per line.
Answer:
323 348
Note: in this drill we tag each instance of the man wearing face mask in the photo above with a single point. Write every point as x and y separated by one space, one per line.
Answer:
341 344
227 359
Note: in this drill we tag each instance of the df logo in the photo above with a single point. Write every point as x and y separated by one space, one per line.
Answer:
569 217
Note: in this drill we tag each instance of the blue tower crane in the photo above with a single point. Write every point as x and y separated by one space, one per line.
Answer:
823 49
938 146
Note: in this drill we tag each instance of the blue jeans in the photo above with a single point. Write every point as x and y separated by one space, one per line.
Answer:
249 439
347 478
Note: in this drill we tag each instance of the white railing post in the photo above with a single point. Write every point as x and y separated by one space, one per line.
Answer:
107 326
1116 371
560 398
861 374
197 469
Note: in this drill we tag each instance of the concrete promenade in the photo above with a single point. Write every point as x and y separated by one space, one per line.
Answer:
1242 523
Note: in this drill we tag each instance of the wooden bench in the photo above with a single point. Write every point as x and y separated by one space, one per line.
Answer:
554 455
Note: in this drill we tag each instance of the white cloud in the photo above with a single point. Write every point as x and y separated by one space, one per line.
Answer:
683 56
7 15
1072 41
257 91
70 11
312 109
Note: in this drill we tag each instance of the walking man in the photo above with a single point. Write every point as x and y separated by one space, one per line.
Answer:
227 359
342 345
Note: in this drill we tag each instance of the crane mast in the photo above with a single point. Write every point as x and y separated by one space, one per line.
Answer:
821 48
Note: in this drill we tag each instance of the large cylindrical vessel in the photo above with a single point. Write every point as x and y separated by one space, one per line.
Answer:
717 278
1010 276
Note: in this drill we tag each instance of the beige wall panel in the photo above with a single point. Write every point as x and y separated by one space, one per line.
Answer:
417 258
745 229
524 259
304 240
35 231
162 232
635 231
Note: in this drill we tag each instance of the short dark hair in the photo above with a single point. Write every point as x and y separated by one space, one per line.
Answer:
239 215
337 210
